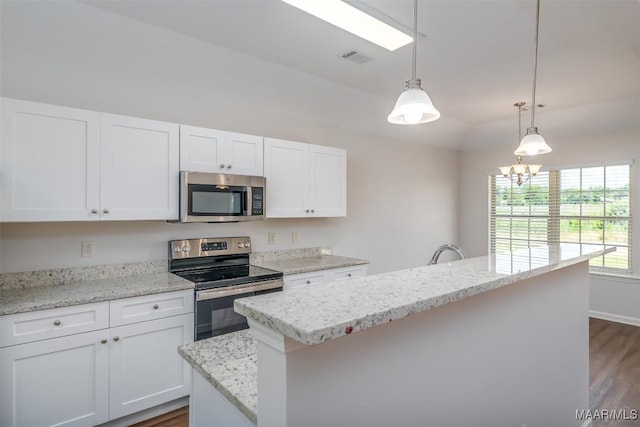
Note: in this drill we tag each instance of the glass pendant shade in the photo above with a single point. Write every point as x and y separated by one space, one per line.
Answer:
413 106
532 144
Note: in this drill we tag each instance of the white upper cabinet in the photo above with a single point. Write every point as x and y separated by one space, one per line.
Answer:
304 180
49 162
328 180
139 169
210 150
66 164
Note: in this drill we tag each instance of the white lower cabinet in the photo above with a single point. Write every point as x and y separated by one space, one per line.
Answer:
145 368
88 378
57 382
293 281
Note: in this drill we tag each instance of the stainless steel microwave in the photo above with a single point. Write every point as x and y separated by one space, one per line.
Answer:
215 197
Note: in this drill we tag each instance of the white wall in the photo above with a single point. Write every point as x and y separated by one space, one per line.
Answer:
591 144
396 190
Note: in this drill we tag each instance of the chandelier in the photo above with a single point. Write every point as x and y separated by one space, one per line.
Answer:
519 173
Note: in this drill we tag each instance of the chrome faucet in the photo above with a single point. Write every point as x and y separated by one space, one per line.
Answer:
450 247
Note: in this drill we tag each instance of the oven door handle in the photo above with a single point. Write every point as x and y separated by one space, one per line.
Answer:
226 292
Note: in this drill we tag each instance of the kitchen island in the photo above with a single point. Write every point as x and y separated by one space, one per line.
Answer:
500 340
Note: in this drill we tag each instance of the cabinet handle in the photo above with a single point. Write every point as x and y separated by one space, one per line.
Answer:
105 210
308 282
94 211
103 341
307 211
57 322
156 306
228 166
313 211
221 165
349 275
116 338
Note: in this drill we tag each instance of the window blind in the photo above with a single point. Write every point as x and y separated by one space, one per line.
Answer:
578 205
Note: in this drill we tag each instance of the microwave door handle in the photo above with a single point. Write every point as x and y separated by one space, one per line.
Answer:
247 208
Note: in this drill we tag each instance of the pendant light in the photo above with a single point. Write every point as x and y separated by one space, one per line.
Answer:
519 173
533 143
414 105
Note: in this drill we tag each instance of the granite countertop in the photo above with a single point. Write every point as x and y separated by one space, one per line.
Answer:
229 363
30 291
315 314
296 261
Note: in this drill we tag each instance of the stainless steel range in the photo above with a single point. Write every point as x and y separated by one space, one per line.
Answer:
219 268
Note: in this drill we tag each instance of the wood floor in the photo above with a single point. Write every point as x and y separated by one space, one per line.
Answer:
614 370
177 418
614 376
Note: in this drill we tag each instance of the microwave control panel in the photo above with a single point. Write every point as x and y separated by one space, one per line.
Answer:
257 204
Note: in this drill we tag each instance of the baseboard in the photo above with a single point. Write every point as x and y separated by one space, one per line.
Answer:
148 413
615 318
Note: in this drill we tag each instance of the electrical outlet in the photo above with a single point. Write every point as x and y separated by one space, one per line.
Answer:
88 249
272 238
295 237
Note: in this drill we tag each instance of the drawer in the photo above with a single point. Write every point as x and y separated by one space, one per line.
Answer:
52 323
297 280
150 307
347 273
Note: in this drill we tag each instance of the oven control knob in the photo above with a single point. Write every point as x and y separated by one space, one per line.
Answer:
186 248
247 244
177 249
240 245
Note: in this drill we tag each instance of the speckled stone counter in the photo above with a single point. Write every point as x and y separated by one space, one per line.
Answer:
312 315
294 261
229 363
38 290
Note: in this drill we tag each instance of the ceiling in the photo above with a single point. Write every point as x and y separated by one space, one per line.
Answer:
475 56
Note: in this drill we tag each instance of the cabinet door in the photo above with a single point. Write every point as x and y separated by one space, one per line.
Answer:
57 382
201 149
49 162
145 367
286 167
328 181
244 154
139 174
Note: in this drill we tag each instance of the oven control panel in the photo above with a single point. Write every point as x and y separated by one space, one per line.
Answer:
196 248
214 246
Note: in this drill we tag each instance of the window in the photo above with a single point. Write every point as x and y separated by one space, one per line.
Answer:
578 205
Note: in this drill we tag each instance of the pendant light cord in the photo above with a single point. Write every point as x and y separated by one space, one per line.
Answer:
415 38
535 67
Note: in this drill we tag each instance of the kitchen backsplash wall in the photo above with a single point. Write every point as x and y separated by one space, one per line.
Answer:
391 212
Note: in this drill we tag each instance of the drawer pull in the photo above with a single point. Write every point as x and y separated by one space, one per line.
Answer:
116 338
103 341
57 323
156 306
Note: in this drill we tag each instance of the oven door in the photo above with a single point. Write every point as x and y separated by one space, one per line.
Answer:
214 314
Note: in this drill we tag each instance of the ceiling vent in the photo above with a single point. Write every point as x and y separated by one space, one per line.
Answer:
355 56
